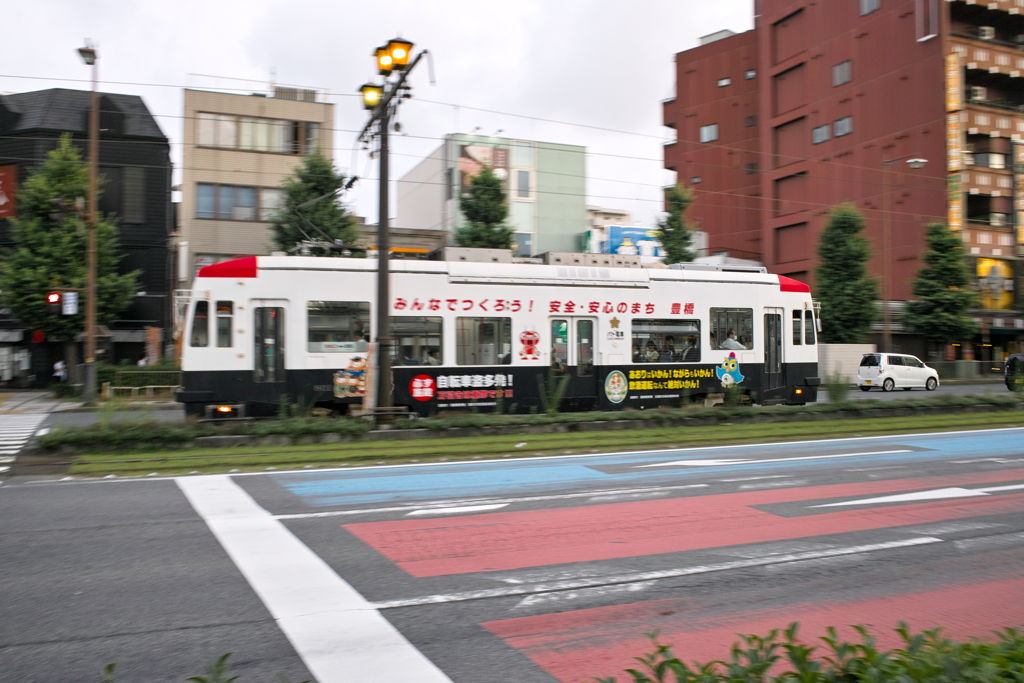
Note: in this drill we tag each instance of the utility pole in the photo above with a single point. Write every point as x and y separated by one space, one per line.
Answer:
90 57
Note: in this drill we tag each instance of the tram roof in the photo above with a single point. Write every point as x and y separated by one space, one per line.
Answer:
501 273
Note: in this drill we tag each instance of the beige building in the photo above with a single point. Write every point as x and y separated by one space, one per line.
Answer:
238 150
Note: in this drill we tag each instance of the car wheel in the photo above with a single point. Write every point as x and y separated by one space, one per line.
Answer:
888 385
931 384
865 388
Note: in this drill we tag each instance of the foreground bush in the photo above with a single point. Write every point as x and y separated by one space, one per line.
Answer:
924 658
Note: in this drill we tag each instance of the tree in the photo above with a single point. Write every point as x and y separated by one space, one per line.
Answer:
846 292
675 233
485 211
316 177
941 311
50 252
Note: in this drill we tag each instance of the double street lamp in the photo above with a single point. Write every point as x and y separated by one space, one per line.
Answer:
914 163
382 100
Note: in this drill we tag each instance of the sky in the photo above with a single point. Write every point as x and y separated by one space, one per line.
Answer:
587 64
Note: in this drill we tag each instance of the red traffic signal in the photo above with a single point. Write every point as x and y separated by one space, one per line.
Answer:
53 298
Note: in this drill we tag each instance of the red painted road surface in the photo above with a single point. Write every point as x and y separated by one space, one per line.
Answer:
577 646
534 538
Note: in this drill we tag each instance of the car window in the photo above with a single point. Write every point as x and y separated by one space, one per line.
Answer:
913 362
894 360
870 360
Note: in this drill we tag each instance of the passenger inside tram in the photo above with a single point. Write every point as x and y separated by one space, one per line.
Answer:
691 354
668 352
651 354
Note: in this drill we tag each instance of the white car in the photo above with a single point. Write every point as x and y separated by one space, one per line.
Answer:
889 371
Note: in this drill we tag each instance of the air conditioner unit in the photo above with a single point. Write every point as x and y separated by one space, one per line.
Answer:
978 93
986 33
997 220
1019 39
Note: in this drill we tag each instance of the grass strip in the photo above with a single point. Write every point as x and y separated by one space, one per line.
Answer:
489 447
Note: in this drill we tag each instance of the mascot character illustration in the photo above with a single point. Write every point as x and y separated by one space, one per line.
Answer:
729 372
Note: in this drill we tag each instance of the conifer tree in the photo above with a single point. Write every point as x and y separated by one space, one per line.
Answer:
943 298
485 211
675 236
50 249
316 177
846 292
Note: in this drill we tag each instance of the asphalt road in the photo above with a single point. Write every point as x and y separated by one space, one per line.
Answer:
952 389
533 570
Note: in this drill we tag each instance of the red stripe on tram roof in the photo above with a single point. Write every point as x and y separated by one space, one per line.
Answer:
239 267
788 284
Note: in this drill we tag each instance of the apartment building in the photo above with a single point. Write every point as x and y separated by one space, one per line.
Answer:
545 184
238 151
912 110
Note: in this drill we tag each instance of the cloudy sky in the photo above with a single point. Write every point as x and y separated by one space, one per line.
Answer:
587 64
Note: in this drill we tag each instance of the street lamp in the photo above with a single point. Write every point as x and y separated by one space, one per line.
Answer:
914 163
90 57
382 101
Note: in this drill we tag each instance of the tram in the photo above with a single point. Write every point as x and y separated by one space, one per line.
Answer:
472 336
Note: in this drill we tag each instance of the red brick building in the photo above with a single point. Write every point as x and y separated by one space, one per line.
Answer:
826 102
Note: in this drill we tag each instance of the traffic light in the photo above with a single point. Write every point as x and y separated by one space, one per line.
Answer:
53 302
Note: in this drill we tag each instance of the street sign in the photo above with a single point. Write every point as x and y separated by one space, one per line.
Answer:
69 303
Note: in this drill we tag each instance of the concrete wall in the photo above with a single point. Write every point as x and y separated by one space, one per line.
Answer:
421 194
843 359
561 197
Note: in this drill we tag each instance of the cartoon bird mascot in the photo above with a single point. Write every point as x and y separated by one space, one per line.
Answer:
729 372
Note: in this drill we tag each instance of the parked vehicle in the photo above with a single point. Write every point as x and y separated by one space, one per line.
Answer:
1015 372
888 371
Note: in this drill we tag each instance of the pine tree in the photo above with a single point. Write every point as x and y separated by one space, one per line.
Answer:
943 302
314 178
485 211
675 233
846 292
50 252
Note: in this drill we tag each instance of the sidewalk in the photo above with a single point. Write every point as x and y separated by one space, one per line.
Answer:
44 402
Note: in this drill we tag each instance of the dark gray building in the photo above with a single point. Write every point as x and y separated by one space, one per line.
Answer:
135 165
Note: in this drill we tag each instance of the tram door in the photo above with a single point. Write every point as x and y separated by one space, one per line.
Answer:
268 341
773 348
572 355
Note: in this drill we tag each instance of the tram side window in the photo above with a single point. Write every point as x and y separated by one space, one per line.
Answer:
732 328
417 341
666 341
483 341
225 311
338 326
201 324
798 324
809 327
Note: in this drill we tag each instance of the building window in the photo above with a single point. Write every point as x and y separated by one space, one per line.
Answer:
982 179
1006 240
523 184
225 310
981 55
842 73
869 6
417 341
927 13
843 126
709 133
990 160
1003 123
206 204
217 130
820 134
695 180
666 341
270 202
311 144
752 167
732 328
751 121
722 82
983 119
337 326
483 341
750 74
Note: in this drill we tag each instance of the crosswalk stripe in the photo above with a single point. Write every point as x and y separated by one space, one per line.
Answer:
15 432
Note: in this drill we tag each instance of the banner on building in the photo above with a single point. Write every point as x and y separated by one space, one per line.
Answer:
995 281
473 158
1018 190
955 204
8 191
954 143
954 83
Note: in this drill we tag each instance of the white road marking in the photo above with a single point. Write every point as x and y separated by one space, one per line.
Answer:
457 510
774 484
933 494
486 501
718 462
568 596
636 577
767 476
337 633
1000 541
951 528
15 431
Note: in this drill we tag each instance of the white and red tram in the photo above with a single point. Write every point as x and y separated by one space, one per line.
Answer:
485 336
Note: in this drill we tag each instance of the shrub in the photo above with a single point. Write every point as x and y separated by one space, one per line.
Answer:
837 386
